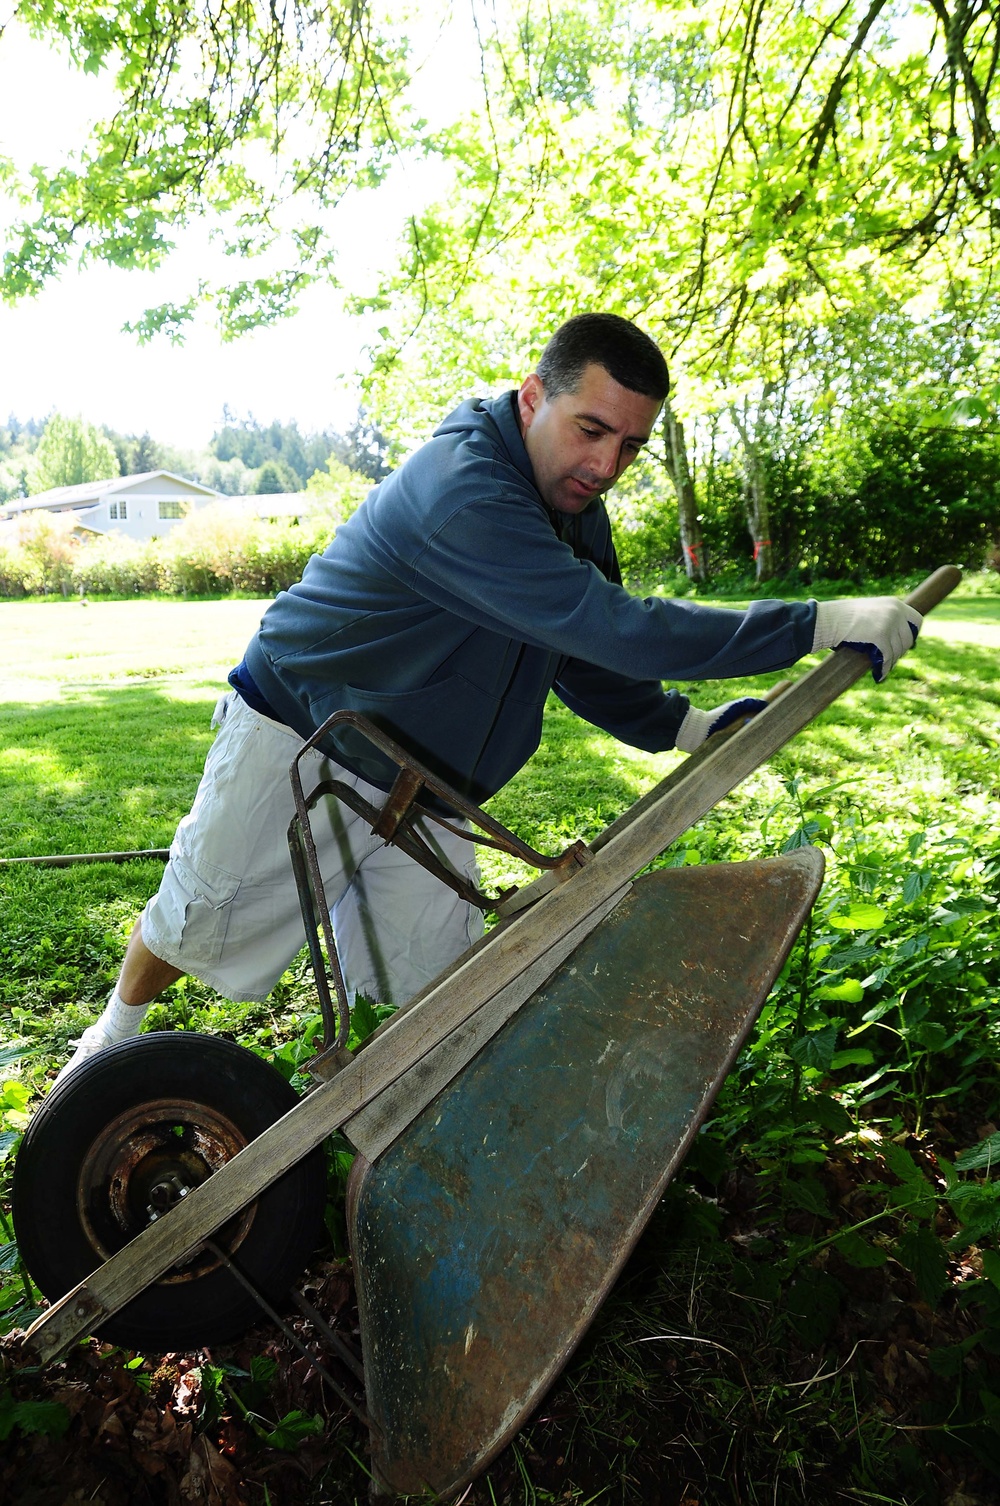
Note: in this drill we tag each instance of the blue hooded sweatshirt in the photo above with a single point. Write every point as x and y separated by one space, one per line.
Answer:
454 600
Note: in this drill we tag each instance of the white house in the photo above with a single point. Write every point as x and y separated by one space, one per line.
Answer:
144 506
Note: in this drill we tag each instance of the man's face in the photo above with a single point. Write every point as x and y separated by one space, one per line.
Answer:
580 442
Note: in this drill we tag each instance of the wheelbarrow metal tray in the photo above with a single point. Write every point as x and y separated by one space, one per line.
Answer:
487 1235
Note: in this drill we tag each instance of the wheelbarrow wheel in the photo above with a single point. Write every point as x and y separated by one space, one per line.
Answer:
120 1140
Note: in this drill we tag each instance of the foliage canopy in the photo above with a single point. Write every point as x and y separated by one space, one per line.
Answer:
704 162
234 111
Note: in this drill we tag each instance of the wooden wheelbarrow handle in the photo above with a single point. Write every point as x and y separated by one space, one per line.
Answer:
721 764
510 961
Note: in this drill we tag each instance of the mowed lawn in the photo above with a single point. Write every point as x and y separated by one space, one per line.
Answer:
104 726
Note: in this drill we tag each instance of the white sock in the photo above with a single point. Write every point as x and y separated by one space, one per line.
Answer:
120 1020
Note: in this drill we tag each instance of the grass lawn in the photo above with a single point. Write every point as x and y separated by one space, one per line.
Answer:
104 725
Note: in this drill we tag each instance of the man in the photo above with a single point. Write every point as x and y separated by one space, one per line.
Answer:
471 582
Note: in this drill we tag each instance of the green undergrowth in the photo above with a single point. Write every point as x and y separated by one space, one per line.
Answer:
814 1312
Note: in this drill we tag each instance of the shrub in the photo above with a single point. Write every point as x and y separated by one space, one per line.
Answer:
44 553
118 566
19 576
220 548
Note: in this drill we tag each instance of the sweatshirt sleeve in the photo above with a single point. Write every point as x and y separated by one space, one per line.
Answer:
531 586
637 712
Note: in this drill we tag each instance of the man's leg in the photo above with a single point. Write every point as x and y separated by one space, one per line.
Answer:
143 975
226 910
397 926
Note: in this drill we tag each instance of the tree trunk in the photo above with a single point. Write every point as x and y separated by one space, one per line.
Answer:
756 498
695 556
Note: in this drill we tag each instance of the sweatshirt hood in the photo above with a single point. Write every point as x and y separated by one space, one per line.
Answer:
496 419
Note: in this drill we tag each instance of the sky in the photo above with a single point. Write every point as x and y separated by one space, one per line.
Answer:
65 350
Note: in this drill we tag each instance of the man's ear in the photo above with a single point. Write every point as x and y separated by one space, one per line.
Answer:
530 396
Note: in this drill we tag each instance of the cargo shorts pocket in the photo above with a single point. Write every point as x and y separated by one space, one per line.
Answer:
193 909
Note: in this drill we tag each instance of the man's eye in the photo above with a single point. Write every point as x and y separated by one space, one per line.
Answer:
591 433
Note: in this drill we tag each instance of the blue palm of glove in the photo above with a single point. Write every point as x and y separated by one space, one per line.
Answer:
875 655
736 711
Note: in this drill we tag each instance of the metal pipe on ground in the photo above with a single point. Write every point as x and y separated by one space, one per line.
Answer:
64 859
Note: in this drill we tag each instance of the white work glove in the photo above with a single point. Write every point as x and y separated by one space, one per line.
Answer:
883 627
697 725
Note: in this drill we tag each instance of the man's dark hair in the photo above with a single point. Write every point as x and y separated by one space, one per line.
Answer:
627 355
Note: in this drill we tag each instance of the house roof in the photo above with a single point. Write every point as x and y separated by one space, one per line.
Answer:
89 493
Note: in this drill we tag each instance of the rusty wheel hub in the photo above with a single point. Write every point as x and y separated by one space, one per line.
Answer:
144 1162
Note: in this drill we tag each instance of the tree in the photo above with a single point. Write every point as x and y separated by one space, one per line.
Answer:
769 138
71 451
232 110
364 448
655 167
275 476
679 465
143 455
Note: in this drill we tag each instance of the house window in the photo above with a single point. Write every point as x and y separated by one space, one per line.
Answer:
171 510
117 510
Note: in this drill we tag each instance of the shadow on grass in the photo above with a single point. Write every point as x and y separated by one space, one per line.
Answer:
119 770
114 771
111 772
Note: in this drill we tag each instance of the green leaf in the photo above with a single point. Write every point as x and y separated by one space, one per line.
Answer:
709 1158
812 1303
263 1369
810 1195
849 991
991 1267
858 1057
292 1428
859 1252
902 1164
916 881
977 1207
983 1156
14 1095
9 1139
366 1016
930 1035
920 1250
815 1048
830 1113
50 1418
10 1054
858 917
951 1360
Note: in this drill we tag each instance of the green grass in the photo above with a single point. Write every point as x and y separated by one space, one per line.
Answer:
104 725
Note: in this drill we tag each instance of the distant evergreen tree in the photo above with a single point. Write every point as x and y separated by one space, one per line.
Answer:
144 455
365 448
275 476
362 448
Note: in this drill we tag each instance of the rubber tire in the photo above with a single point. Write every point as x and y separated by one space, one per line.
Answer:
54 1245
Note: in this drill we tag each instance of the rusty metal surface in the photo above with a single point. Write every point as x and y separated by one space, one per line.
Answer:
486 1237
397 821
140 1151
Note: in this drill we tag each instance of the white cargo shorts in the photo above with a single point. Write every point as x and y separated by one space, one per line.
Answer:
227 911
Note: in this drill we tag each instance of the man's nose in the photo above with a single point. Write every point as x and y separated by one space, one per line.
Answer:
608 459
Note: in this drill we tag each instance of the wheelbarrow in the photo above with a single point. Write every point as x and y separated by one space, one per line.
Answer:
515 1124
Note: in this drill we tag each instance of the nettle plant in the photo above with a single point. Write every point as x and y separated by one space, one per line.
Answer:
886 1009
878 1047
